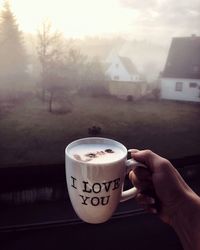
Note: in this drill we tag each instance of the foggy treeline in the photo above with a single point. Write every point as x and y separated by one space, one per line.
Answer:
13 58
64 70
53 67
61 68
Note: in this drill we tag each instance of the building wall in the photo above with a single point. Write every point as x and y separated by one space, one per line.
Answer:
125 89
188 93
116 68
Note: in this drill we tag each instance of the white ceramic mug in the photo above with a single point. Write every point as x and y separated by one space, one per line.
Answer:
96 188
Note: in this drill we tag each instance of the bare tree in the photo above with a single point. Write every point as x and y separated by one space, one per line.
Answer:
64 69
50 55
61 66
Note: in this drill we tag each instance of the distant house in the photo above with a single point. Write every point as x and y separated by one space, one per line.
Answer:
125 81
180 79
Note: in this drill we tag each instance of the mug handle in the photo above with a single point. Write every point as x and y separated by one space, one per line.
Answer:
132 192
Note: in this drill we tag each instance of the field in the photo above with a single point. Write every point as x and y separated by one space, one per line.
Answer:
31 135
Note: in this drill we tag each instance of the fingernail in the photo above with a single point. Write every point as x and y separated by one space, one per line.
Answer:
133 150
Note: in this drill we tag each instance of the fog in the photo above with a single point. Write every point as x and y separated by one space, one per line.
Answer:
54 75
139 30
147 56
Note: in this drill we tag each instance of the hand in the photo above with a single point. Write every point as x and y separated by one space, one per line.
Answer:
161 188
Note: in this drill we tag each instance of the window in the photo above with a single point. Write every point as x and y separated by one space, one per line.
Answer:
193 85
52 73
56 78
179 86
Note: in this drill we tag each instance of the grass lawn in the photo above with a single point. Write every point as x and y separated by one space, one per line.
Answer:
30 135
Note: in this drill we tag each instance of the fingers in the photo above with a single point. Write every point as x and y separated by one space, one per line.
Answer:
143 156
143 174
149 158
147 202
133 150
143 183
143 199
146 198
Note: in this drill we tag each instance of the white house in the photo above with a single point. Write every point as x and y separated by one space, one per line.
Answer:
125 81
180 79
121 69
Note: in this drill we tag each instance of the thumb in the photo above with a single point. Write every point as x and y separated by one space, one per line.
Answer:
149 158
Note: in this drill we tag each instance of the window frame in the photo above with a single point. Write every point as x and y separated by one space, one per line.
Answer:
193 85
179 86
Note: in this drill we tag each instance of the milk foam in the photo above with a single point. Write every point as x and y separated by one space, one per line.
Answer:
96 153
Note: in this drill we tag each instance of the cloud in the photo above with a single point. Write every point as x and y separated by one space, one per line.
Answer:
162 5
180 12
135 4
164 18
165 11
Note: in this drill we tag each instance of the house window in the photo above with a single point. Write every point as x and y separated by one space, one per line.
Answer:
116 77
179 86
193 85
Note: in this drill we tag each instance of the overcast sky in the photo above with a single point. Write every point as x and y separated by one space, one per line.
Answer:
164 18
155 20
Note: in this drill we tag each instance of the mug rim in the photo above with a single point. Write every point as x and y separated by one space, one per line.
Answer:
73 143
